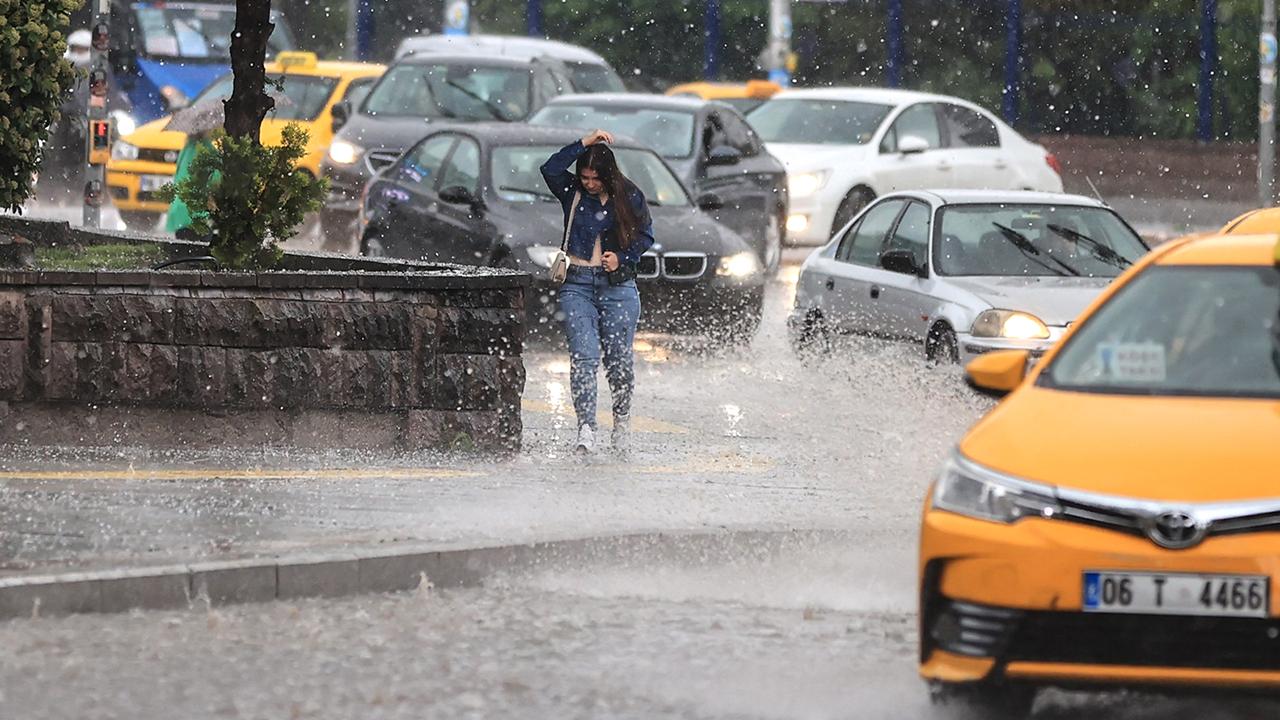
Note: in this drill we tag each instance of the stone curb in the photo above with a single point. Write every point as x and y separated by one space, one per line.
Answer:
377 569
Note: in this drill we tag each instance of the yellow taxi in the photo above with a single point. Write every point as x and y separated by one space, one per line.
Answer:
1264 220
742 96
1115 520
144 161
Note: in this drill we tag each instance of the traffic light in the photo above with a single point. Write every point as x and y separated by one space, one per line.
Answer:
101 37
99 141
98 82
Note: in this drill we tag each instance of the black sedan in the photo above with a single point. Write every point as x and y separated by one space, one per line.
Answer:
708 144
473 194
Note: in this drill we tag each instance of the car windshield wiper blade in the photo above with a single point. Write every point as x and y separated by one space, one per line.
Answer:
1103 252
1027 248
530 191
494 109
435 100
654 203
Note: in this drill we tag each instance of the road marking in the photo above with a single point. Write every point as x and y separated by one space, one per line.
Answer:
230 474
639 423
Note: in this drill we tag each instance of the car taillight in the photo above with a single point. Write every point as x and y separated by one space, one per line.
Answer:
1052 161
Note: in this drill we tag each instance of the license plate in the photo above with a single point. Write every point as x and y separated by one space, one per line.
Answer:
151 183
1177 594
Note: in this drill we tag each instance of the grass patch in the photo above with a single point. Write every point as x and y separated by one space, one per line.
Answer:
114 256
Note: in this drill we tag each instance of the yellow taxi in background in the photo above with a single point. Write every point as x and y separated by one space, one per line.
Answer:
1115 520
144 161
742 96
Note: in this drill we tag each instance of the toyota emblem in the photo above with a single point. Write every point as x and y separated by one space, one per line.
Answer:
1175 529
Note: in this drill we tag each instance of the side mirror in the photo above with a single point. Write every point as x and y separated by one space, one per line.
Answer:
341 113
723 155
902 261
998 372
458 195
912 144
710 201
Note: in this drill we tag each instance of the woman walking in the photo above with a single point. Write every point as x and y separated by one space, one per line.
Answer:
608 228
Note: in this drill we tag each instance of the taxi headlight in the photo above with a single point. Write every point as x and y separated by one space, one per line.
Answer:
1010 324
739 265
806 183
344 153
121 150
968 489
124 123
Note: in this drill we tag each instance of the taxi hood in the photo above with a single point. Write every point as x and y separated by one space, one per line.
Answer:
1187 449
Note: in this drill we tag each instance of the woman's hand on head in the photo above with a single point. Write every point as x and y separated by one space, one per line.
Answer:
596 136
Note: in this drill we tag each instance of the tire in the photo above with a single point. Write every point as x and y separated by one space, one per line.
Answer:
140 220
941 346
850 206
811 336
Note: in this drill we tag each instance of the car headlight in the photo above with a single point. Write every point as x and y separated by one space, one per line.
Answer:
121 150
739 265
807 183
344 153
174 98
541 254
1010 324
966 488
124 123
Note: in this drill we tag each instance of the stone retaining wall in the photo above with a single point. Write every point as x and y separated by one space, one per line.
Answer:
408 360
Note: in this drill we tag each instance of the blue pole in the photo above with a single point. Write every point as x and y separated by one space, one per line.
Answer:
364 30
533 18
711 41
894 42
1012 60
1208 68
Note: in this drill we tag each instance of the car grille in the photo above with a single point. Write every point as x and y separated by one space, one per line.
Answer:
379 159
1146 640
648 267
683 266
160 156
1133 516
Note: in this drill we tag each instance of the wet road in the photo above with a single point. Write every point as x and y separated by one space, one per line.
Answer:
744 439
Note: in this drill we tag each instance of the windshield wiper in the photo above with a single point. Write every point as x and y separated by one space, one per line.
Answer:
528 191
653 202
494 109
1103 252
1027 248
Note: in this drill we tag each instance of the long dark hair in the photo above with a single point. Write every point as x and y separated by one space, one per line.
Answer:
600 158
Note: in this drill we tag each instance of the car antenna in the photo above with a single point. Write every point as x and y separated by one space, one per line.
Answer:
1094 188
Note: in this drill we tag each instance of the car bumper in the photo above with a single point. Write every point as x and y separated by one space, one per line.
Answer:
971 347
124 183
1005 602
818 213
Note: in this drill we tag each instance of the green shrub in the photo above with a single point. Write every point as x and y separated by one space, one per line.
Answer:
249 198
33 37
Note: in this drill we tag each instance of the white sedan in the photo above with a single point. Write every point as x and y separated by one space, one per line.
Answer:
963 272
843 147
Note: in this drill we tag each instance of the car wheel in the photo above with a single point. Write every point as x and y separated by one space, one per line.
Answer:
771 257
850 206
991 701
810 335
140 220
371 244
941 346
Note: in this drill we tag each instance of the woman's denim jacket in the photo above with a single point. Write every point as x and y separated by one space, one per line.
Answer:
592 218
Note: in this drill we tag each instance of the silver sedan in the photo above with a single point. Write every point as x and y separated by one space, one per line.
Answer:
963 272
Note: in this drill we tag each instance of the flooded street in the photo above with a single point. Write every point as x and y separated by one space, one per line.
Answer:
751 439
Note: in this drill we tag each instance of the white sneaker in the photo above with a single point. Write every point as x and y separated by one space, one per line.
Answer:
621 433
586 441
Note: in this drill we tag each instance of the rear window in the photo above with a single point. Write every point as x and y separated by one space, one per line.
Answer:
588 78
1203 330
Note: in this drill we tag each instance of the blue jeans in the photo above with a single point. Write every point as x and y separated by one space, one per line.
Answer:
599 318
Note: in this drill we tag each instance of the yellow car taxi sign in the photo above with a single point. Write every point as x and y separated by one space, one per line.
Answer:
296 59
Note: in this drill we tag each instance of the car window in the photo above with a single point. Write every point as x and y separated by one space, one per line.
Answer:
420 167
912 233
1180 330
1034 239
739 134
713 134
464 91
591 78
823 122
298 97
358 90
669 132
919 120
463 167
868 239
967 128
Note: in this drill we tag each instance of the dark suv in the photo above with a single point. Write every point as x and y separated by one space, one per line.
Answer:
416 91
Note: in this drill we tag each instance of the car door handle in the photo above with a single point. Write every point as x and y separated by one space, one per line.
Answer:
875 292
831 284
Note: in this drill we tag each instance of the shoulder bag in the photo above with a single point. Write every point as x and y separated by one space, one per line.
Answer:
560 260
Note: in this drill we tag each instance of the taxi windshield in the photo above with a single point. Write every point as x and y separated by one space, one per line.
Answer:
1195 330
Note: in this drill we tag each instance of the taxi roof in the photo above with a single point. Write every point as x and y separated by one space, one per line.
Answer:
1259 249
327 68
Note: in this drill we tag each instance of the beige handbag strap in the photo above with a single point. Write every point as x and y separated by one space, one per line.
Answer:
564 244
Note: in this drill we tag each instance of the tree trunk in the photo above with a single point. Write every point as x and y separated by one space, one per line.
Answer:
249 102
